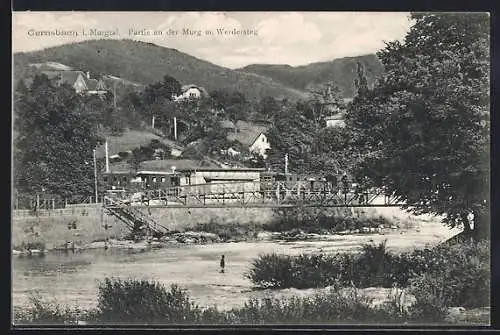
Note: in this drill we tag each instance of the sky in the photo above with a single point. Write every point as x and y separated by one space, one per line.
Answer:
293 38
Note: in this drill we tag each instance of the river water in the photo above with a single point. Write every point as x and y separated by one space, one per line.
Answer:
71 279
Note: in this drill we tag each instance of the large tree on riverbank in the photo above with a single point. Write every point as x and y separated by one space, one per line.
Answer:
423 130
56 134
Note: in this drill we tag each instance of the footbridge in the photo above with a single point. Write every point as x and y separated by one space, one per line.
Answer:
126 205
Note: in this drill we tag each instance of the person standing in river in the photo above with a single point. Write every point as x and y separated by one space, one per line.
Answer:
222 264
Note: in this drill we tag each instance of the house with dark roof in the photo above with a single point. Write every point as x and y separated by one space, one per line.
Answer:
181 172
80 81
251 136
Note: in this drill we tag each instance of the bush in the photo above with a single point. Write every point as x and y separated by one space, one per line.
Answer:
462 270
40 245
430 298
227 231
43 312
461 273
148 302
334 306
271 270
370 268
374 266
132 301
322 222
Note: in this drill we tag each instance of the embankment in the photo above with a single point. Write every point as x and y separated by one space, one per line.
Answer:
51 228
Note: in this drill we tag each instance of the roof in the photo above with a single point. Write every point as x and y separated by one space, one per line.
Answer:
91 84
129 140
335 117
248 132
162 165
165 166
69 77
52 74
226 124
187 87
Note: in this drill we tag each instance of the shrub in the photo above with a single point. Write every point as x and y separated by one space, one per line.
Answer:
44 312
132 301
147 302
271 270
334 306
322 222
227 231
40 245
461 269
374 266
430 298
461 273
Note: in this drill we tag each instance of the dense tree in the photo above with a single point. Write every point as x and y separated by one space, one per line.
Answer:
268 107
157 101
55 137
423 130
234 104
360 82
292 133
326 99
130 108
167 89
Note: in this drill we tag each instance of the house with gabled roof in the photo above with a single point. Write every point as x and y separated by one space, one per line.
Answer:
191 91
251 136
80 81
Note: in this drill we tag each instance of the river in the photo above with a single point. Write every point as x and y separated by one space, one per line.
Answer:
72 279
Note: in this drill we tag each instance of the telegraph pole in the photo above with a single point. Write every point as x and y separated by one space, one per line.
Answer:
114 95
286 163
95 176
175 128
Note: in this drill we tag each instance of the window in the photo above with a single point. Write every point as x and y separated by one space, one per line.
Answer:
154 179
162 179
263 139
124 179
105 179
115 179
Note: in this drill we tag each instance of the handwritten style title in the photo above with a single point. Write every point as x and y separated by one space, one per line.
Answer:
193 32
137 32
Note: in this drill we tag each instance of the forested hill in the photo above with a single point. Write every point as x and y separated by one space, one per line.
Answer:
340 71
147 63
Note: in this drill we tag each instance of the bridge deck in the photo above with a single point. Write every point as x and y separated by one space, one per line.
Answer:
256 194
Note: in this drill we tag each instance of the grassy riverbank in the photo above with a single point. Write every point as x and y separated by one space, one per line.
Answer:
146 302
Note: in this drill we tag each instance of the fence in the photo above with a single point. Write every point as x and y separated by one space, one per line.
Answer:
39 203
81 211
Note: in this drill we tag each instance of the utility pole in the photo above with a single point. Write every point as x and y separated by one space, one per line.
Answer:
175 128
95 176
286 163
106 155
114 95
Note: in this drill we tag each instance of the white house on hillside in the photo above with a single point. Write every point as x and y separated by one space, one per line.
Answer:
336 120
191 92
251 136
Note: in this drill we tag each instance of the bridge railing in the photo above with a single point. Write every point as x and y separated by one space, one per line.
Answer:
245 192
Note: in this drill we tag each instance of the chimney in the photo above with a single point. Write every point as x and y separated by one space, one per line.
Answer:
88 75
107 156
